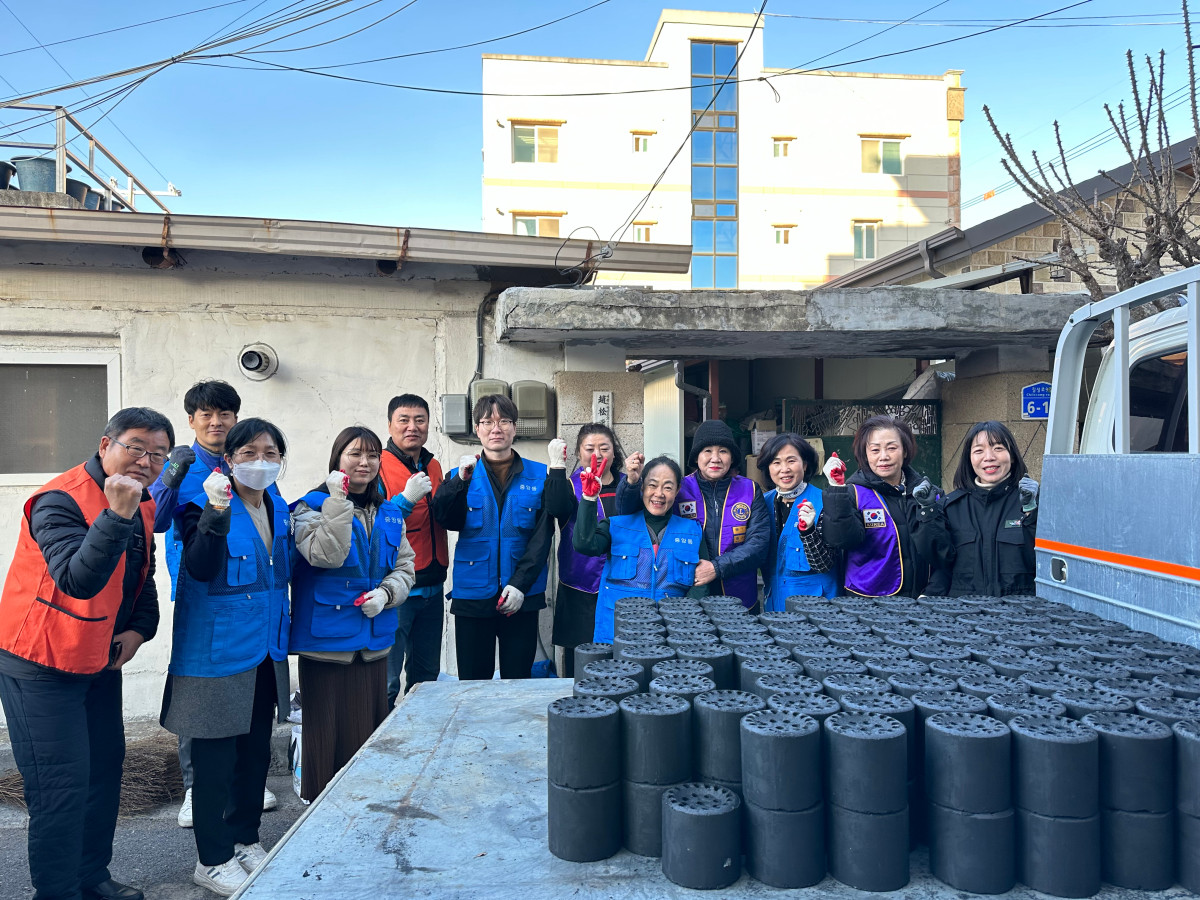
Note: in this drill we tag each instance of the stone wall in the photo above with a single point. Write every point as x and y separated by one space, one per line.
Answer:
574 390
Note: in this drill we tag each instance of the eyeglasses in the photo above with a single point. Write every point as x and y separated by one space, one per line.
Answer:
251 456
489 424
156 459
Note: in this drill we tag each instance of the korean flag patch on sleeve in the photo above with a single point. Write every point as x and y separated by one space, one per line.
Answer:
687 509
874 518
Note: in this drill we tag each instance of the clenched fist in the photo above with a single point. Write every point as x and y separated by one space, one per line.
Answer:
417 487
466 465
218 489
633 467
834 470
556 450
806 515
124 494
339 484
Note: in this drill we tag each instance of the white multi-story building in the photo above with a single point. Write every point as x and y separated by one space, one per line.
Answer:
788 180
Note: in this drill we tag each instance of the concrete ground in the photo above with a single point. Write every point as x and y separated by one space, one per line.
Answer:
151 851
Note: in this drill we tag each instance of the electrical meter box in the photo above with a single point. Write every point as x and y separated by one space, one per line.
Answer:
484 386
456 414
534 409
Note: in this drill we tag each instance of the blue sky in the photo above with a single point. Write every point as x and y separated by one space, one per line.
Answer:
291 145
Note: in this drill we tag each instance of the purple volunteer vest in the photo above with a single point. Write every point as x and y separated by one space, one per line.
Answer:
875 567
574 569
735 520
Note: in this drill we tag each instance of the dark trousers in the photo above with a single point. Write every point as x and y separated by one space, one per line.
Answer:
343 705
229 775
68 737
417 652
475 641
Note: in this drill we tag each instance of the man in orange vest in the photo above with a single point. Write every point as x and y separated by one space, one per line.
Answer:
409 471
78 602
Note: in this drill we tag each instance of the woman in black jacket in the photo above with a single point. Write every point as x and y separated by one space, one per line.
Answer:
985 529
880 517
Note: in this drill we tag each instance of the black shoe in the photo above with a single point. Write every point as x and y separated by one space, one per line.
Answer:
112 890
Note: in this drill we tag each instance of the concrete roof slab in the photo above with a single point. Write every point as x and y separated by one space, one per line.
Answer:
920 322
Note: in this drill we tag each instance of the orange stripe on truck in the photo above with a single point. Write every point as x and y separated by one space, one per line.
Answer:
1120 559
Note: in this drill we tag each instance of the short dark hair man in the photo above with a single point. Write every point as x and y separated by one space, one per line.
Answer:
411 475
78 602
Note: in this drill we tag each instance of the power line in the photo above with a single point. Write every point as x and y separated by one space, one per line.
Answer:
1063 22
85 37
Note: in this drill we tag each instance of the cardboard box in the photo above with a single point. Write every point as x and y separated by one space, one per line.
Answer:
763 431
751 469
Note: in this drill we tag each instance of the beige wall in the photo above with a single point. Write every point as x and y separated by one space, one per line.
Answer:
347 341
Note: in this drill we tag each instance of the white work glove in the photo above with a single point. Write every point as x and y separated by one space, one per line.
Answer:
834 470
466 465
556 450
373 602
417 487
510 600
218 489
805 516
1029 494
339 485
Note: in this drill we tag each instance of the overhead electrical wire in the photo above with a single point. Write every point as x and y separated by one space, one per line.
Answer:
1063 22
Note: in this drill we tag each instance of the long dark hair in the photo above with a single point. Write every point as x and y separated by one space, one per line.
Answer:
618 460
998 433
374 494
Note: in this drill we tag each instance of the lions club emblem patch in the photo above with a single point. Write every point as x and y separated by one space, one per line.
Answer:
874 518
740 511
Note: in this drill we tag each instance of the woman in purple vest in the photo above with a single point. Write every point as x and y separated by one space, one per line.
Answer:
730 509
885 532
579 575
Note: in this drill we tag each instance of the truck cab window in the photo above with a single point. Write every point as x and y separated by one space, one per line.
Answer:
1158 404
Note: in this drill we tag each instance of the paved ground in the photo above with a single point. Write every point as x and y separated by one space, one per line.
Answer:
151 851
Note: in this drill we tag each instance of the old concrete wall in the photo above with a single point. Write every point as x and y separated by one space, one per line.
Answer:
966 401
574 391
347 341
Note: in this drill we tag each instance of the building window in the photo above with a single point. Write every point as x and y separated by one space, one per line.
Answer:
783 233
880 156
535 143
641 143
641 232
780 146
533 225
55 408
714 165
865 234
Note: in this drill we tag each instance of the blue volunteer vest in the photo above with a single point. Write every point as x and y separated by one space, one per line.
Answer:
228 625
633 569
493 540
324 616
787 573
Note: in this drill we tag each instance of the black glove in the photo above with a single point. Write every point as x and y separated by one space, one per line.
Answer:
177 466
925 493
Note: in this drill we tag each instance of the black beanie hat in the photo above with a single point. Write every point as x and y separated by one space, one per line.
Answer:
714 433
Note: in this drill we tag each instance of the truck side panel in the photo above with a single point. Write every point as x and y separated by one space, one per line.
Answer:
1127 528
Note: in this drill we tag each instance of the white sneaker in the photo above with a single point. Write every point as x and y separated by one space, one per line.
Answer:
249 856
269 801
223 879
185 811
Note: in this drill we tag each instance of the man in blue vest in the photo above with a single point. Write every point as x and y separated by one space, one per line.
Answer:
504 539
212 408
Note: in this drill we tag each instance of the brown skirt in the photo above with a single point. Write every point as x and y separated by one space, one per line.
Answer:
343 705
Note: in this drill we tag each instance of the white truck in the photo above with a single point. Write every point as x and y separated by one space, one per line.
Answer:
1119 518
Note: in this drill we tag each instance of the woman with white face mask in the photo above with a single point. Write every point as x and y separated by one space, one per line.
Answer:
228 669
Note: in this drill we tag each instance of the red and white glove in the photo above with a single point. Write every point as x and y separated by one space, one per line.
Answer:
556 450
466 465
339 484
218 489
372 602
806 515
510 600
590 478
834 470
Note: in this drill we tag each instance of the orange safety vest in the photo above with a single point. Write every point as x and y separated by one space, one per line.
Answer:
41 623
425 535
